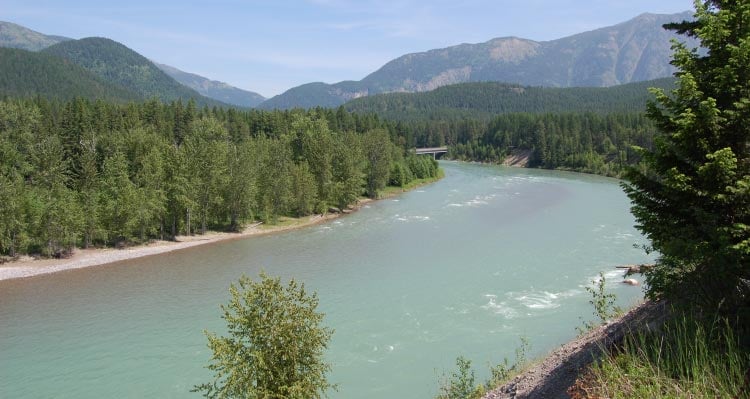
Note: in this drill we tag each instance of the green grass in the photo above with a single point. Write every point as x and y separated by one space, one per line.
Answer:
284 221
390 191
687 358
461 384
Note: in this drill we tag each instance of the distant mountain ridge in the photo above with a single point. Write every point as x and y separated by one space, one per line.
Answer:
17 36
486 100
118 64
632 51
148 85
213 89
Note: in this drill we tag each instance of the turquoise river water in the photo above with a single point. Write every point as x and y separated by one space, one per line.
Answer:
465 266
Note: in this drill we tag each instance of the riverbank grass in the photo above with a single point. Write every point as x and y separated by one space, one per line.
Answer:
685 358
290 222
461 383
285 222
391 191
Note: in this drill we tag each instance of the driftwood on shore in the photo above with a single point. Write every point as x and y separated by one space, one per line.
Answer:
636 269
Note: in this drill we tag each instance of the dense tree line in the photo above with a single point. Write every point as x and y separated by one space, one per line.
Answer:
96 173
585 142
585 129
485 100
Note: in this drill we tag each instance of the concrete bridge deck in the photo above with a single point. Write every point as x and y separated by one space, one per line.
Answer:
434 151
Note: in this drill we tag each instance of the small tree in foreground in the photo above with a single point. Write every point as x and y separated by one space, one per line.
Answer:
603 303
275 344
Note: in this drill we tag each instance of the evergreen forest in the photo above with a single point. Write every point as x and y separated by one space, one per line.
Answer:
584 129
83 173
599 143
485 100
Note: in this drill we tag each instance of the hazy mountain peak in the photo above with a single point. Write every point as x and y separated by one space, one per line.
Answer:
512 49
17 36
116 63
635 50
214 89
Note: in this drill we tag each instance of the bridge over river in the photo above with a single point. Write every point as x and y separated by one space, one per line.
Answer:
434 151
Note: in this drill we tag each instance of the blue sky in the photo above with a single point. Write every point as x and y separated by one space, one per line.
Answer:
271 46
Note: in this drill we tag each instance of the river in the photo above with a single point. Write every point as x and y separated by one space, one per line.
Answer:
466 266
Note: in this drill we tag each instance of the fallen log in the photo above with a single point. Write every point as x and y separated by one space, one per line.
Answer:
633 269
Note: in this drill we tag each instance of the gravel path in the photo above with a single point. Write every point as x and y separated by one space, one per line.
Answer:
555 374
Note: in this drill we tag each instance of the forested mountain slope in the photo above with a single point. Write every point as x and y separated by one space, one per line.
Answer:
31 74
17 36
120 65
487 99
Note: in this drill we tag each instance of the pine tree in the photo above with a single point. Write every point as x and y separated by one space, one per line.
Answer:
377 149
241 188
206 152
313 143
348 164
274 180
119 200
17 125
304 194
693 198
87 184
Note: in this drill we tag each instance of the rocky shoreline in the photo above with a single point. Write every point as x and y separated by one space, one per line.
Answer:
552 377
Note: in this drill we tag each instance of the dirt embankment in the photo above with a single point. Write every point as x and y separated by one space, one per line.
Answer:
518 158
552 377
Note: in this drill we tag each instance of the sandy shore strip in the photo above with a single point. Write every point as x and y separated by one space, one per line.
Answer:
27 266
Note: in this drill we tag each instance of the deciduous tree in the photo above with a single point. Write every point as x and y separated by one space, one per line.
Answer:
275 343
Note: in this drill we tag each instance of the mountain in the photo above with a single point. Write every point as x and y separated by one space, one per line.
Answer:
636 50
315 94
485 100
214 89
28 74
17 36
150 85
117 64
